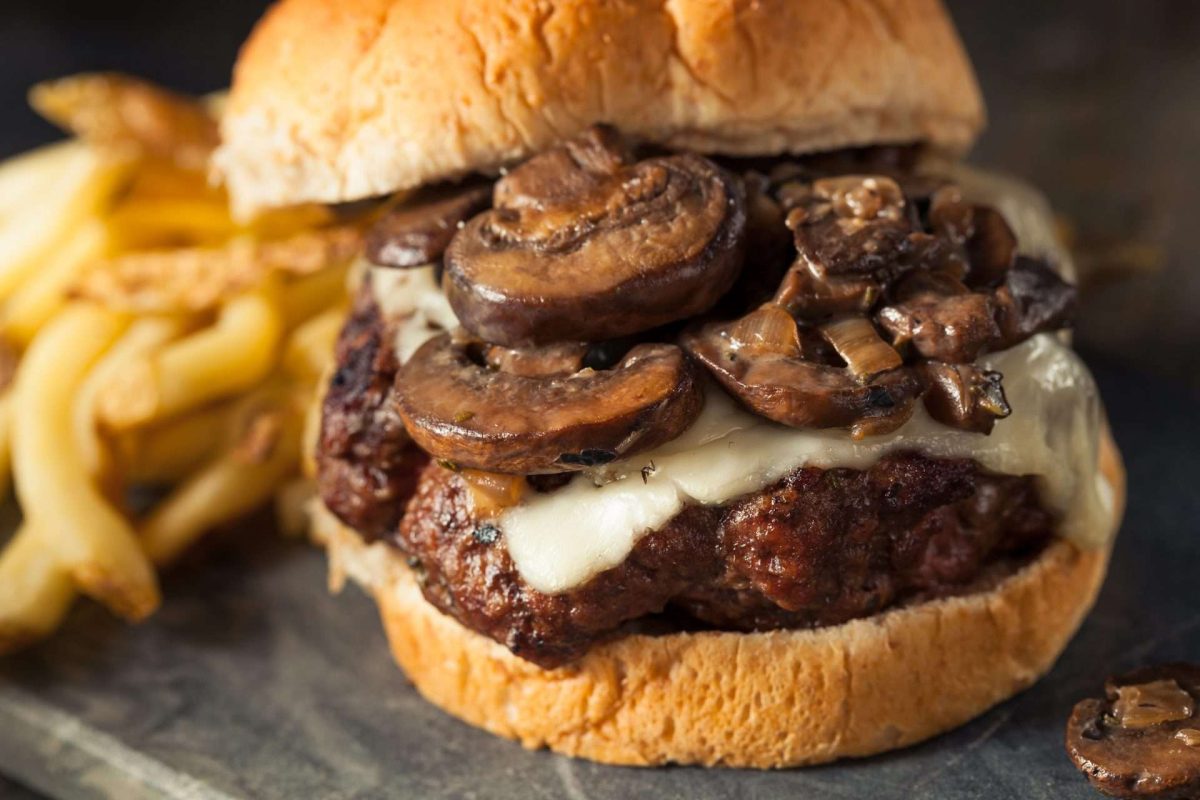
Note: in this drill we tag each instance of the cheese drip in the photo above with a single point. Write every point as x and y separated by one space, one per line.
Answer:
560 540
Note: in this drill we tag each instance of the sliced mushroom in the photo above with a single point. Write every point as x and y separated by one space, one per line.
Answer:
418 231
813 298
851 226
462 411
768 373
940 318
990 244
964 396
1142 739
1033 298
584 246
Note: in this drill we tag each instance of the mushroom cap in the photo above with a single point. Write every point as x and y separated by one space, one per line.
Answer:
337 101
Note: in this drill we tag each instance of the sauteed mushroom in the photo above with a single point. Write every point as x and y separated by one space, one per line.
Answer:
584 245
940 318
462 406
418 232
990 244
964 396
1033 298
1142 739
761 361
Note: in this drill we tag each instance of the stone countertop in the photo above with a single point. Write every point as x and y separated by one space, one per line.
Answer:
252 682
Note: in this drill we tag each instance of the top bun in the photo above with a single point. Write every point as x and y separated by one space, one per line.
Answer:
337 100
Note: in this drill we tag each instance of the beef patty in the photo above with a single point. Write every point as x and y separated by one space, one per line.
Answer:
820 547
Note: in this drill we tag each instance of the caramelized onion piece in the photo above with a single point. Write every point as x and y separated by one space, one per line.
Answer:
583 245
418 231
964 396
464 412
859 345
772 379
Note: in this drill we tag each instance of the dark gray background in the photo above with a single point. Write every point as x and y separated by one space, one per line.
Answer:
1096 102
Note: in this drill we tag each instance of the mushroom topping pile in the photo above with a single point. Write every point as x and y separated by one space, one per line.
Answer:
586 244
1143 738
573 279
543 410
906 294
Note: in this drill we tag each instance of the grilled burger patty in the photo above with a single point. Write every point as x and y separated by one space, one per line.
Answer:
819 547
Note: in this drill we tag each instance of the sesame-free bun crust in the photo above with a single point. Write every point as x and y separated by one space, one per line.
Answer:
774 699
337 100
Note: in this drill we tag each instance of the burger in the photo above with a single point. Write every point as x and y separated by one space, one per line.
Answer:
696 403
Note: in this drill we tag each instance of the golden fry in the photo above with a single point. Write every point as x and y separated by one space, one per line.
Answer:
198 279
230 356
6 412
307 296
242 479
92 541
79 184
44 293
159 223
117 111
143 338
309 349
170 451
35 591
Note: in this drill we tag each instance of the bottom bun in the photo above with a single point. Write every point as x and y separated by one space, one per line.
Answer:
772 699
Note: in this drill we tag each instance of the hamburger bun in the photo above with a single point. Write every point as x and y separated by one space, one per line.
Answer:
340 101
774 699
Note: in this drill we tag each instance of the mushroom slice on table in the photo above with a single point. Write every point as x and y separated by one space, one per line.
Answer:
476 406
761 361
584 244
1142 739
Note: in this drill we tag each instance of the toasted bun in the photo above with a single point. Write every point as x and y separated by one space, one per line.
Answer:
342 100
777 699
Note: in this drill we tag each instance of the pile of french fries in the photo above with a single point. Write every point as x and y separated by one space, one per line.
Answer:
146 338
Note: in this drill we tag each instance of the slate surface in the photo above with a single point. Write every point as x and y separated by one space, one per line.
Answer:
252 682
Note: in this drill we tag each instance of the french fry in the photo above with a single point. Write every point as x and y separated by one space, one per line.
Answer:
44 293
26 175
5 440
309 295
309 348
35 591
245 477
124 113
87 536
141 339
230 356
158 223
170 451
82 184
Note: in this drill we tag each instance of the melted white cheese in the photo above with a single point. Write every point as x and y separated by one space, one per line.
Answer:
414 303
559 540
